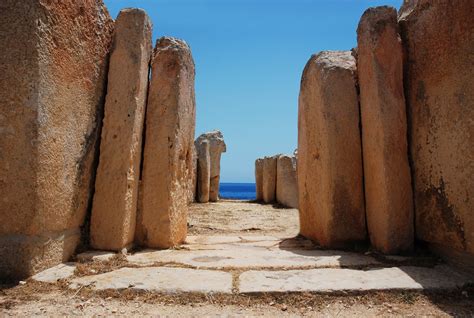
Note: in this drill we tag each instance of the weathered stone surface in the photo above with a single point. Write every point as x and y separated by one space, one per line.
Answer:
331 199
259 179
388 191
353 280
160 279
116 189
53 274
53 62
170 123
193 180
286 184
95 256
269 179
438 38
216 147
204 172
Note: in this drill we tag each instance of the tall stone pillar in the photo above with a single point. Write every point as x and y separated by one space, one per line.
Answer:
216 147
388 191
269 179
204 172
259 179
286 184
331 197
438 38
53 61
170 123
116 189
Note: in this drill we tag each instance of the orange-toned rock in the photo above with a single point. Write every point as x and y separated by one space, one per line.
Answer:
438 37
216 147
286 184
388 191
116 189
259 179
269 179
53 61
193 180
167 161
204 172
331 198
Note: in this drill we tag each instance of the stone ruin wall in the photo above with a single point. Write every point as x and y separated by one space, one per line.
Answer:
51 123
412 72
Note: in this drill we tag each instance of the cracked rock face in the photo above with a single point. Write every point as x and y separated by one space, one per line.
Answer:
168 152
216 147
438 37
330 184
54 58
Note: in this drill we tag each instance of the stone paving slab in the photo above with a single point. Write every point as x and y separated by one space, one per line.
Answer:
338 280
252 257
95 256
159 279
53 274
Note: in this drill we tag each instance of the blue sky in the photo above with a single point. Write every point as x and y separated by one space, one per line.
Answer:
249 56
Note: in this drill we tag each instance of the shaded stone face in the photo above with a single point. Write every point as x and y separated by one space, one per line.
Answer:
438 37
116 188
269 179
167 159
51 97
388 191
259 179
204 172
216 147
286 184
331 199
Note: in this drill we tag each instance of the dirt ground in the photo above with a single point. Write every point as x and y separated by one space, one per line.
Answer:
230 217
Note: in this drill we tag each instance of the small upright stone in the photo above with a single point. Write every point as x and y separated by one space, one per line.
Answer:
259 179
269 179
204 172
167 160
331 197
116 187
388 192
216 147
286 185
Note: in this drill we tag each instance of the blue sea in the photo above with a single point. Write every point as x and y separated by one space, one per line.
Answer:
237 191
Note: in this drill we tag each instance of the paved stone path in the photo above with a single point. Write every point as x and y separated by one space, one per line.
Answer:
257 264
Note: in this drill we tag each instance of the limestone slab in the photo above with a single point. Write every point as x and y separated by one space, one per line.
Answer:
259 179
53 274
269 179
286 183
252 257
160 279
169 142
352 280
330 174
114 207
203 172
101 256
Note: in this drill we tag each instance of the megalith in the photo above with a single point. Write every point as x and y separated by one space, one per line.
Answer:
259 179
286 184
114 206
53 62
167 158
330 188
388 191
204 172
269 179
216 147
438 38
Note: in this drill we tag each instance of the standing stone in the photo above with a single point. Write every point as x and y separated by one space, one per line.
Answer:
204 172
116 188
53 63
216 147
331 198
193 179
438 38
388 192
286 184
170 123
259 179
269 179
